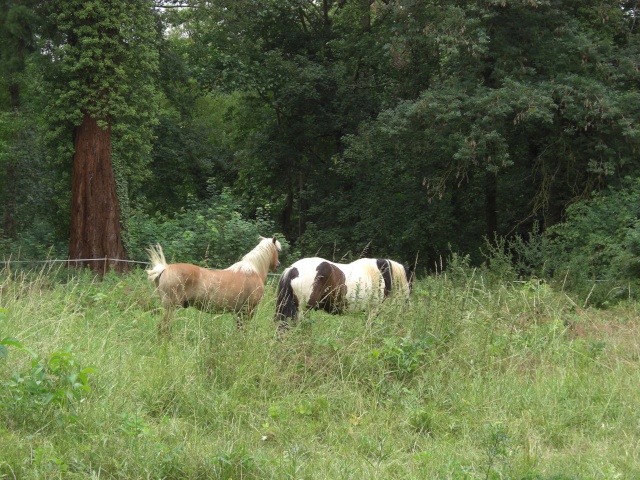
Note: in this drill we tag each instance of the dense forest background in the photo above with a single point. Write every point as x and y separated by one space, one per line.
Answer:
504 130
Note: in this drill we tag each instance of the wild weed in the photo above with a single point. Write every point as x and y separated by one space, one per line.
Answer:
52 385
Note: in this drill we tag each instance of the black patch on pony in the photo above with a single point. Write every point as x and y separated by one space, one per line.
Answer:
287 303
385 270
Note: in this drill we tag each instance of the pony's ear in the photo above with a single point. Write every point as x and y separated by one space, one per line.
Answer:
274 239
260 238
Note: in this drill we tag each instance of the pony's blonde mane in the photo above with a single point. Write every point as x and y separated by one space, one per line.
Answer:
371 270
257 261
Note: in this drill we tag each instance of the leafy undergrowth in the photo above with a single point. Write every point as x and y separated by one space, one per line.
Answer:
468 381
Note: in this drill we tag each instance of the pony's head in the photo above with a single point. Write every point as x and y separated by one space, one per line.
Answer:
274 247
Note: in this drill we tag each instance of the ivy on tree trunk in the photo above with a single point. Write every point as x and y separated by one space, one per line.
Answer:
103 57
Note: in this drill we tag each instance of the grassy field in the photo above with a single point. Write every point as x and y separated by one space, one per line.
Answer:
470 381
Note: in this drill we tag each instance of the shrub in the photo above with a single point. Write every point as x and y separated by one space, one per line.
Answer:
211 234
402 357
595 252
54 383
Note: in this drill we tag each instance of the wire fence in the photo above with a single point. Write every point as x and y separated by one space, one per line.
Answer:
77 260
84 260
138 262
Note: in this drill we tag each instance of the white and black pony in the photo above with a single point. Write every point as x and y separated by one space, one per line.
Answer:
316 283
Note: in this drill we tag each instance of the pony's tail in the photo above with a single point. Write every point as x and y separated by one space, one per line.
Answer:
286 306
402 277
158 263
386 270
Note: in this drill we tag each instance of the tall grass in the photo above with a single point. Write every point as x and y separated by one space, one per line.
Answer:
470 380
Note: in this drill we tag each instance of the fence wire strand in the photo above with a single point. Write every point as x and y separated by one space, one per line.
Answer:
106 259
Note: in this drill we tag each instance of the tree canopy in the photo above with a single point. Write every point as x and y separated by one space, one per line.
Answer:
391 128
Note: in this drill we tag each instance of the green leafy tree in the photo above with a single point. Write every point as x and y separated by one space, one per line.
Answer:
393 128
192 139
298 96
386 127
102 61
19 21
525 108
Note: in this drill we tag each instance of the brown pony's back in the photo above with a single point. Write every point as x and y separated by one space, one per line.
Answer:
183 284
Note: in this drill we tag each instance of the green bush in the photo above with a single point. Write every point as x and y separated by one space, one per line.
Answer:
595 252
37 242
403 357
52 384
211 234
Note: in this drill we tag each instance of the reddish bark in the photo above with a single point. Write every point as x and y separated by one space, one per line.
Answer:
96 232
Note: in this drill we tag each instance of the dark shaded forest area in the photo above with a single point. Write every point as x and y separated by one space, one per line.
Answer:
406 129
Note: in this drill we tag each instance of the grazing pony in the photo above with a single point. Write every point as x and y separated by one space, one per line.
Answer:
316 283
237 289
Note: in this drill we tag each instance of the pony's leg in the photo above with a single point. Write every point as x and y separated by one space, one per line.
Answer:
283 325
245 312
283 328
164 327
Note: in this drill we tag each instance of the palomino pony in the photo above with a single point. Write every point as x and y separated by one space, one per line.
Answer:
237 289
316 283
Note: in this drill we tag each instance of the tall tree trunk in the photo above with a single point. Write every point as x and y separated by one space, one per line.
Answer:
96 232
